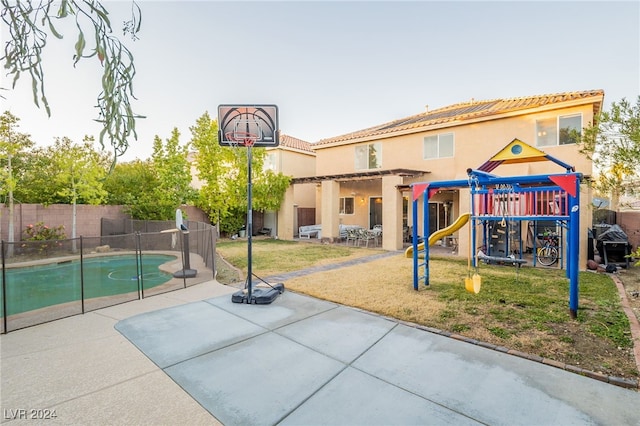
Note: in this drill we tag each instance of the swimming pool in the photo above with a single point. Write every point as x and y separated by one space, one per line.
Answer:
40 286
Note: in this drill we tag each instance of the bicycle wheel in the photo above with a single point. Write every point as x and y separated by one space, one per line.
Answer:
547 256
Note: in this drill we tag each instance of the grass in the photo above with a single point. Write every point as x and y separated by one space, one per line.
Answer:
270 256
527 311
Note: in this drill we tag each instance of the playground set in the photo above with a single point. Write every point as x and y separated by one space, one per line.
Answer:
498 206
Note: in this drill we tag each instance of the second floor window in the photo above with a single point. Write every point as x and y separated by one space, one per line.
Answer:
561 130
438 146
270 161
369 156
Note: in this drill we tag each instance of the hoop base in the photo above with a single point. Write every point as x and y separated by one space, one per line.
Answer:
259 295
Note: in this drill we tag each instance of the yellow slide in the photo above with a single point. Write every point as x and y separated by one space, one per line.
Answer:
459 223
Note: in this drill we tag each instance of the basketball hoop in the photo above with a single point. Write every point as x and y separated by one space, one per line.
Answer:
242 138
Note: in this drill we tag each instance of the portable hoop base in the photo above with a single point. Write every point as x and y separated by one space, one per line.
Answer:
259 295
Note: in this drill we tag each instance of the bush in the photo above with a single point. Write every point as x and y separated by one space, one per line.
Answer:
48 236
41 232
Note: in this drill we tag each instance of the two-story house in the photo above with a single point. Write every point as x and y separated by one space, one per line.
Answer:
362 178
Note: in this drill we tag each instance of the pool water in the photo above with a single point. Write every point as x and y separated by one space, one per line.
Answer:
35 287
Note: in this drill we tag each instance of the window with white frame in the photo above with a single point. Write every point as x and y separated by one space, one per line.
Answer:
438 146
369 156
561 130
346 205
270 161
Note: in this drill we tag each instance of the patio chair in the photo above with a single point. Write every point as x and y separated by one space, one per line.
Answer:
352 235
366 236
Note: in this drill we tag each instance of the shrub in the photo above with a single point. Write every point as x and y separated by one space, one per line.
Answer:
41 232
48 236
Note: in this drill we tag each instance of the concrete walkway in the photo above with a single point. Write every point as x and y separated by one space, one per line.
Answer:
85 372
193 357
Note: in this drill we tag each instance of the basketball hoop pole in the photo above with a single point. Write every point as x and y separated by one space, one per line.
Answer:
249 220
249 126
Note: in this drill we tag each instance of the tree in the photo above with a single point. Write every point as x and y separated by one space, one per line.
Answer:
12 145
127 181
29 26
172 174
224 172
211 164
38 182
81 171
613 143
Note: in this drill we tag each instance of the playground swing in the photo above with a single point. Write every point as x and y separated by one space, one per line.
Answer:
504 198
472 283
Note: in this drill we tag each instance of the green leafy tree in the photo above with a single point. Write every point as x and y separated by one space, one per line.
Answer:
212 163
128 181
30 23
613 143
81 171
172 173
224 172
38 182
13 145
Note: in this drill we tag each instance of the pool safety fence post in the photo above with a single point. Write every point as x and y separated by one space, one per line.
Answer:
139 265
81 274
4 289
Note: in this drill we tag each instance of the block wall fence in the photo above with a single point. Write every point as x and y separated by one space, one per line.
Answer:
630 224
88 218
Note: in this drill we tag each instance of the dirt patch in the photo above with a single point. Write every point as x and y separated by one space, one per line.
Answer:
631 281
226 273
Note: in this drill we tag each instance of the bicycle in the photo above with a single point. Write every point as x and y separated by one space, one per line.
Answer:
548 254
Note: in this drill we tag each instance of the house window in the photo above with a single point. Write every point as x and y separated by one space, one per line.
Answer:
369 156
562 130
346 205
570 129
438 146
270 161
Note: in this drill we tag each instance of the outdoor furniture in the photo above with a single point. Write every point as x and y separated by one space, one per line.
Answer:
352 234
309 231
344 232
265 231
365 236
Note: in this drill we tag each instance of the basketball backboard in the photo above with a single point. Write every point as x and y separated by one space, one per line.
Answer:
257 124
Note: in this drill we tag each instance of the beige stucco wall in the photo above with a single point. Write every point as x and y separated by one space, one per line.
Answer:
475 143
304 194
295 163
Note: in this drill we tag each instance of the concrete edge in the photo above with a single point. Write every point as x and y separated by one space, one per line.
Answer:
634 324
613 380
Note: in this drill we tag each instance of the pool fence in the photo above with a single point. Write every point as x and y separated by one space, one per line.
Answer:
46 280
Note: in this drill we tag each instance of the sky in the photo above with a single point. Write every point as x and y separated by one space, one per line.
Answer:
334 67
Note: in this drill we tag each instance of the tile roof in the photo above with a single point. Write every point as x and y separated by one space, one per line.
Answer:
466 111
290 142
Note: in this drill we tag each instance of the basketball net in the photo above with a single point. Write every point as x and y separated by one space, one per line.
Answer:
241 139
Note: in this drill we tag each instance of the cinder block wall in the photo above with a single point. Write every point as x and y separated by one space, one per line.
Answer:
630 224
88 218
